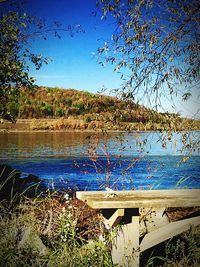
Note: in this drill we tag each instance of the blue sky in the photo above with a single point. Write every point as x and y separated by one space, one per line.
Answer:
73 62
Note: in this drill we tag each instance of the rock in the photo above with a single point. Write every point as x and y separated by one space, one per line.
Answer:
12 185
30 239
32 179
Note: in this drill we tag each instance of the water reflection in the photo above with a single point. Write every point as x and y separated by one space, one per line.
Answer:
134 160
66 144
40 144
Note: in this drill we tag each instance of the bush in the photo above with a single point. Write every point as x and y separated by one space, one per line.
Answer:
73 111
87 119
60 112
68 102
47 109
80 106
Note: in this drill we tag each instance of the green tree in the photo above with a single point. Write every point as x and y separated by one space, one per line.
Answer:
154 46
60 112
13 59
17 28
47 109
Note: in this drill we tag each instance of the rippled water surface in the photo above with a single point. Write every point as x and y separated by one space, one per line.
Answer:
89 161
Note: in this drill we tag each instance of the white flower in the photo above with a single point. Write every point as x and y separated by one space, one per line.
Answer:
66 196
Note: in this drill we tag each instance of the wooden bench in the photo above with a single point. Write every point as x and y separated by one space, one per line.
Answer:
142 213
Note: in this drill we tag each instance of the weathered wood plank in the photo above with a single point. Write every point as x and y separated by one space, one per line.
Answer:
166 232
151 219
114 219
171 192
125 249
135 203
141 198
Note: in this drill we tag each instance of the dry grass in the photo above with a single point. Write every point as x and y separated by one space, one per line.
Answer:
68 233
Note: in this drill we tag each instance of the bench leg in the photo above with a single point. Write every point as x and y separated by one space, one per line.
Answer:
151 219
168 231
125 250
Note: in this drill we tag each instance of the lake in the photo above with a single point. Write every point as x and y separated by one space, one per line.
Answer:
90 161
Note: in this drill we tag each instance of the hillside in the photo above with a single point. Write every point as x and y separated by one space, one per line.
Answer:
68 108
53 102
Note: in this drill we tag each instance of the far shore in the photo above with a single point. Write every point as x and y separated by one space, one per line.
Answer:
64 131
79 126
81 131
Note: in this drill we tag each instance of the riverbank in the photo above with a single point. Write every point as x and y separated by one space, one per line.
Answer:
54 227
60 230
74 124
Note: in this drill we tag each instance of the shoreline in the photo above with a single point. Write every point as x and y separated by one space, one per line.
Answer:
79 126
2 130
65 131
91 131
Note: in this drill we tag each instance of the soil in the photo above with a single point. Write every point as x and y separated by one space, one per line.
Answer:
176 214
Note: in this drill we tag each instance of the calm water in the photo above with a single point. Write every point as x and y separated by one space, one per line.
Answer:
89 161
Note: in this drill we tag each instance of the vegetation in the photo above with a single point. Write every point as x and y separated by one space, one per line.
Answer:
17 29
40 227
71 109
154 47
52 232
182 250
56 229
13 60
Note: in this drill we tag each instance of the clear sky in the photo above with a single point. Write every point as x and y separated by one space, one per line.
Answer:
73 62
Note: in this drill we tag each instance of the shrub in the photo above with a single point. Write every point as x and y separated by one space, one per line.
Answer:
67 101
73 111
79 105
60 112
87 119
47 109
